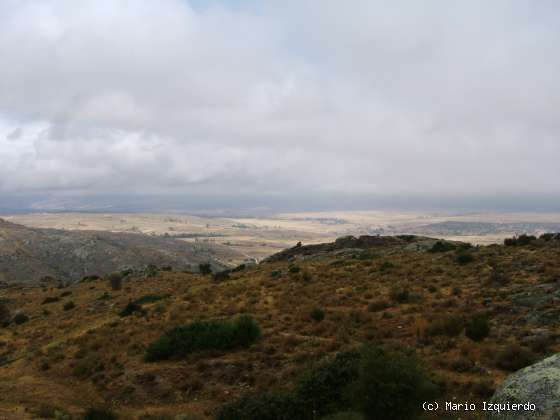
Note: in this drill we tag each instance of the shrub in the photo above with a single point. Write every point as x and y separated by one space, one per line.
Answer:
115 280
131 308
262 406
294 269
205 268
150 299
399 294
275 274
20 318
450 325
50 299
520 240
380 384
442 246
478 328
204 335
68 306
4 315
221 276
547 237
463 258
48 411
87 366
378 305
513 358
322 389
391 385
317 314
386 266
99 414
525 239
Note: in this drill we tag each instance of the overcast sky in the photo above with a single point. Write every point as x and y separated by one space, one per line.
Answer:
287 97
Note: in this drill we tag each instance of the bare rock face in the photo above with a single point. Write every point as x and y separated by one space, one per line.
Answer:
538 384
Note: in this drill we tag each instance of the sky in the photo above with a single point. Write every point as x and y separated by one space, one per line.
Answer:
286 98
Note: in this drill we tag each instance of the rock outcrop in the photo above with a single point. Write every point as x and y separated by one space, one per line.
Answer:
538 384
28 255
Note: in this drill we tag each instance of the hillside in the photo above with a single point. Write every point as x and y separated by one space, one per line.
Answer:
30 254
311 303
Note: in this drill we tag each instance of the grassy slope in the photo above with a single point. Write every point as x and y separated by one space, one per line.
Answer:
90 356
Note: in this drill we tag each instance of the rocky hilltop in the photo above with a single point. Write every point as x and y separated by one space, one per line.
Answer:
28 255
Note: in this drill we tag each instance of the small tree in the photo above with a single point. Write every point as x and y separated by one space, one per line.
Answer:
4 315
205 268
477 329
115 279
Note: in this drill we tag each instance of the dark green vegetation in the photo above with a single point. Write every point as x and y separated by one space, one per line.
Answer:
99 414
69 306
136 305
373 383
204 268
478 328
20 318
524 239
205 335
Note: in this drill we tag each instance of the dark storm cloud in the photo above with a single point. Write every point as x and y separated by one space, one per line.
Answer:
286 97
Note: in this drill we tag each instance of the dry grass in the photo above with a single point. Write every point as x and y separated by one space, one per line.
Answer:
91 356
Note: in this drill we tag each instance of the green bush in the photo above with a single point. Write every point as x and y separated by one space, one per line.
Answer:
150 299
391 385
386 266
68 306
442 246
520 240
20 318
50 299
378 305
221 276
372 384
115 280
5 316
317 314
294 269
130 308
323 389
478 328
262 406
204 335
100 414
463 258
136 305
205 268
450 325
87 366
399 294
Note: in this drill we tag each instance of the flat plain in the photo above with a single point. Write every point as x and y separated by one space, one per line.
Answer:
255 238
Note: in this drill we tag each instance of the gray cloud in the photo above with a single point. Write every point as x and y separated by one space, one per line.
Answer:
280 97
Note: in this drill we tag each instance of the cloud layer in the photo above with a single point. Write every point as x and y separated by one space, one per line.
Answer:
283 97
